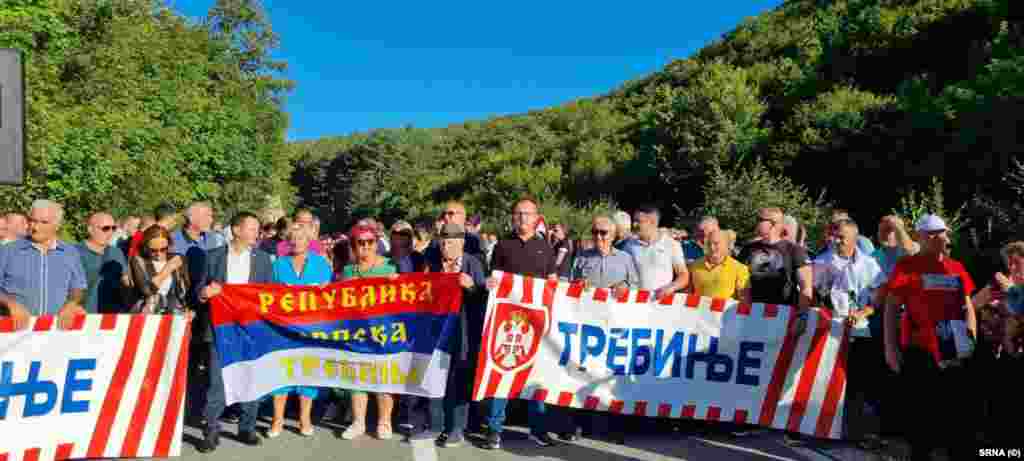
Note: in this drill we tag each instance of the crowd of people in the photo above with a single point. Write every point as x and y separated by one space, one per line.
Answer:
925 340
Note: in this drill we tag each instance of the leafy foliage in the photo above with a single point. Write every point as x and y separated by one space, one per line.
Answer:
734 196
130 105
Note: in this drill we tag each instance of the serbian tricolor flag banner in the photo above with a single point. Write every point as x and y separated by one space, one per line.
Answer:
680 357
372 334
111 386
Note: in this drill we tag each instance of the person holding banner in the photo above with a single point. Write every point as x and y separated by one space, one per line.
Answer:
238 263
938 332
450 414
847 279
525 254
717 274
368 263
301 267
41 275
605 267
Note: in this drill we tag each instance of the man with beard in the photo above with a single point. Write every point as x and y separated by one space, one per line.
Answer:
937 333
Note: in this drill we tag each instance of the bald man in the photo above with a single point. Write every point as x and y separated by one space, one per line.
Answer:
106 268
17 227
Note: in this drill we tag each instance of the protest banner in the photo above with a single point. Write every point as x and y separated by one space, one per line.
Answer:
113 386
373 334
681 357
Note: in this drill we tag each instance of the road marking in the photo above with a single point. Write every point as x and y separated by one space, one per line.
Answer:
743 449
424 450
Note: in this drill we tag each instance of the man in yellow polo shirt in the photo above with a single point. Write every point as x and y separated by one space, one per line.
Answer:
717 274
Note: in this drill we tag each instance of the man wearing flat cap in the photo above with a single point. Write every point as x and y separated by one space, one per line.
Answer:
465 340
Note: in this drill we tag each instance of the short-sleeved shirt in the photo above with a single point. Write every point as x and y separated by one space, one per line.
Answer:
103 273
773 271
655 261
383 269
532 257
315 272
933 291
40 282
605 271
724 280
839 277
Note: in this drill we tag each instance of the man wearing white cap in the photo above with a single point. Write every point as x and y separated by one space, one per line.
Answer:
937 333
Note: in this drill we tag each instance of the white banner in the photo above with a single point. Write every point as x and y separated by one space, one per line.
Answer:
682 357
111 387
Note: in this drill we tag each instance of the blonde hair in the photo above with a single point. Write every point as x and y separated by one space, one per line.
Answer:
1012 249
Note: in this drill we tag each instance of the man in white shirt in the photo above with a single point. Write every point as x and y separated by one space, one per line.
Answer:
658 257
240 262
847 279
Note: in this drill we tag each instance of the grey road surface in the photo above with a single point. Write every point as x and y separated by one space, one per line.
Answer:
323 445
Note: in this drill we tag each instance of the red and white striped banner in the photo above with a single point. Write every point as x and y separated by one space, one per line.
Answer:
113 386
681 357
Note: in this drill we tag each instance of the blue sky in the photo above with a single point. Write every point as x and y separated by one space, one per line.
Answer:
364 65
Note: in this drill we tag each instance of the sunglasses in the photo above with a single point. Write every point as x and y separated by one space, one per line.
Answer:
601 232
158 250
366 243
107 228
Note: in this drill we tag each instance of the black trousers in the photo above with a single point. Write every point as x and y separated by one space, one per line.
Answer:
940 406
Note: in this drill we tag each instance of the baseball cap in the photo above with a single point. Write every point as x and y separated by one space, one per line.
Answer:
930 223
452 231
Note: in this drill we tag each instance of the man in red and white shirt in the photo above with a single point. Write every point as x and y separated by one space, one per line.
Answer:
936 333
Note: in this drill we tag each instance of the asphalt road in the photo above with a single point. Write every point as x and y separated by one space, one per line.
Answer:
764 445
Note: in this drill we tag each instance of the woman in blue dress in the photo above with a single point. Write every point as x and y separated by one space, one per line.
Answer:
301 267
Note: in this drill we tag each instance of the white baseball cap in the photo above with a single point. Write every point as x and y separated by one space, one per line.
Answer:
930 223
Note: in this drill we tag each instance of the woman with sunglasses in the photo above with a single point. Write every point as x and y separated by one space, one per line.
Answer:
368 263
301 267
160 277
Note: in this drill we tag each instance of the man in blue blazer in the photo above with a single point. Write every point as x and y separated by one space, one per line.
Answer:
240 262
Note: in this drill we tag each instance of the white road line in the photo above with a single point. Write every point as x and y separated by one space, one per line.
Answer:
745 449
424 450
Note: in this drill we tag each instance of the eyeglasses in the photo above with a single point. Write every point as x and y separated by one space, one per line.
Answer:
523 213
451 213
158 250
366 243
600 232
107 228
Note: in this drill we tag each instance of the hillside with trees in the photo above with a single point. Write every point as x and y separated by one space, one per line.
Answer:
130 104
857 104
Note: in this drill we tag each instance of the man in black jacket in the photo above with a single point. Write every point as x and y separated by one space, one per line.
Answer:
465 341
240 262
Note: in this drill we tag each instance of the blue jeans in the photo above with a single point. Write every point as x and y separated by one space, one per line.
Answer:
534 411
451 412
215 400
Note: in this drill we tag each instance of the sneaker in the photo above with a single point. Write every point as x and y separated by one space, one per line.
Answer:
384 432
493 441
354 432
424 436
543 440
570 436
453 440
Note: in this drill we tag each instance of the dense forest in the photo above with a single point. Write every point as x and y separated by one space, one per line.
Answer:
869 105
129 104
859 104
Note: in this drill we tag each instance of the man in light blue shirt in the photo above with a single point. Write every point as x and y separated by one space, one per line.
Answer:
604 266
195 238
40 275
